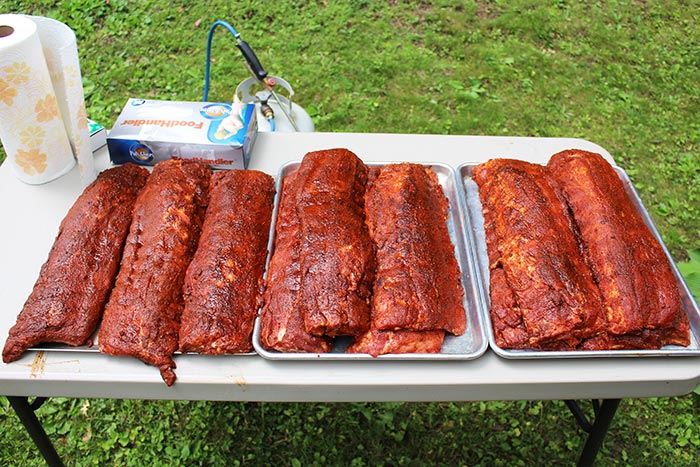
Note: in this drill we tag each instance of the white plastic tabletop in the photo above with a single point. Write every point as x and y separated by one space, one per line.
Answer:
30 218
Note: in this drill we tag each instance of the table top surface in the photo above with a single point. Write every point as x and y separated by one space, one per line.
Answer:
31 215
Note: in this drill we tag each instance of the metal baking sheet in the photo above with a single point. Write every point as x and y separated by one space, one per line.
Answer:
476 232
93 346
472 344
56 347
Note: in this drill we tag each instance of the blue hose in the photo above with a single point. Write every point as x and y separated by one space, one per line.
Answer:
209 40
207 73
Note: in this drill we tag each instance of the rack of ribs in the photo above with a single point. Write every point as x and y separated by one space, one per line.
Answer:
642 300
281 324
375 342
417 284
417 294
543 294
224 282
66 303
142 316
336 257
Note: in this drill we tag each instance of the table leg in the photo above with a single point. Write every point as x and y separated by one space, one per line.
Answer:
579 416
25 412
597 430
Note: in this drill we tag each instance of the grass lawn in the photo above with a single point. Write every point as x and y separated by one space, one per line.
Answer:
623 74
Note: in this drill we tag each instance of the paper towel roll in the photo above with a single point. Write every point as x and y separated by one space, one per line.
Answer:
61 53
43 123
31 127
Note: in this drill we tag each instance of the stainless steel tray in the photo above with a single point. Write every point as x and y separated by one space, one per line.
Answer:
58 347
94 348
476 232
470 345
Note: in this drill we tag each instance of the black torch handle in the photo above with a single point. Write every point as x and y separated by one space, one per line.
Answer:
252 60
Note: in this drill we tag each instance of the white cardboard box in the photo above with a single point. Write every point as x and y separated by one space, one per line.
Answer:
149 131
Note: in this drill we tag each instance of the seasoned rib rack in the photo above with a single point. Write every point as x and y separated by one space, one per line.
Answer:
74 283
224 282
418 281
336 256
281 324
642 301
375 342
538 276
142 316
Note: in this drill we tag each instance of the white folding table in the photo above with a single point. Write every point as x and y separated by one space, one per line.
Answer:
31 215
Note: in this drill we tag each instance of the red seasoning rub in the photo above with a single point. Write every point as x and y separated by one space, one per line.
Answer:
642 301
508 326
281 324
74 283
142 317
418 280
224 282
538 275
375 342
336 254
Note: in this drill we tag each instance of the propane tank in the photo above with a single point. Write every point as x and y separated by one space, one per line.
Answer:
275 110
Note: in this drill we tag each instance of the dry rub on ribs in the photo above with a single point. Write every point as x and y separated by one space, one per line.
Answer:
68 298
224 282
572 263
417 284
542 291
417 294
142 317
281 324
376 342
336 257
642 301
330 222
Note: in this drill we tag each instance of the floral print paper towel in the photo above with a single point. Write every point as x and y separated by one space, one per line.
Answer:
43 123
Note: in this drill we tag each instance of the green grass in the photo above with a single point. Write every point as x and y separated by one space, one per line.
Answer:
620 73
623 74
654 432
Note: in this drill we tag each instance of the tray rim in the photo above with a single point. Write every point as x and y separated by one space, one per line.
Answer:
458 217
516 354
